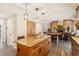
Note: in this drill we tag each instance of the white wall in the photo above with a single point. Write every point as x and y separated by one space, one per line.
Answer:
16 26
38 27
21 25
8 10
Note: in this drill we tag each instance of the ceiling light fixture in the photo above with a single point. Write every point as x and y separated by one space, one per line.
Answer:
26 14
43 17
37 18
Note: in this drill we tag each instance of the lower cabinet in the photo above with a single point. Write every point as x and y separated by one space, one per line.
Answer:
75 48
40 49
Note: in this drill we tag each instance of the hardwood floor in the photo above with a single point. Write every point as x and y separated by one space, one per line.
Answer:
7 51
59 51
64 49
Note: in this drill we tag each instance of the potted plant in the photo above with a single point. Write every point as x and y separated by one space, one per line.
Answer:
48 29
60 28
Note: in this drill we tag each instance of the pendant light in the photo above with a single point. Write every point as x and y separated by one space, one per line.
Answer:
37 19
26 14
43 17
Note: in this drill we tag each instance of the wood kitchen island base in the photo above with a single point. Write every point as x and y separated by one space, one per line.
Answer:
75 46
34 47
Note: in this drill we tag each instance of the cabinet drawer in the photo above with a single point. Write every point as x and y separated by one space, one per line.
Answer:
22 50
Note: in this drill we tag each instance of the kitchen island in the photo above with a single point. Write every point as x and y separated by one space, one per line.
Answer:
34 46
75 45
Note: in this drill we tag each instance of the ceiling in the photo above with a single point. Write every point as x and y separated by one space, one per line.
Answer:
9 9
53 11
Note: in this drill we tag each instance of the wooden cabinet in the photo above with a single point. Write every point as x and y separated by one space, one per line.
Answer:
75 47
40 49
21 50
30 28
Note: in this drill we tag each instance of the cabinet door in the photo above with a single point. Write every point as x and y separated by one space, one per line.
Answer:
46 47
37 52
42 47
22 50
34 52
77 52
30 28
49 44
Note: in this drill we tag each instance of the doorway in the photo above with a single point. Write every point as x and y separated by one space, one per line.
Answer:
11 31
8 32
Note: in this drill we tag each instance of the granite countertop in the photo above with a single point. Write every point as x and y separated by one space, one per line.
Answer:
32 41
76 39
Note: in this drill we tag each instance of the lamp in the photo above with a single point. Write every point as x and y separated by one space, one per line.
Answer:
25 16
37 19
43 17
